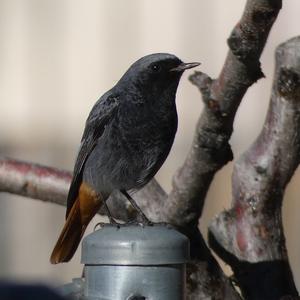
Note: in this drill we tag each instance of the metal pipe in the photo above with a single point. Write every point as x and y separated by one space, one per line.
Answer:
132 263
135 263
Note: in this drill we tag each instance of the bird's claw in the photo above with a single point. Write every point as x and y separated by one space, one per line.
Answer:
143 223
113 224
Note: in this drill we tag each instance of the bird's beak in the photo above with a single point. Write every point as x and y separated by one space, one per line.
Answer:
184 66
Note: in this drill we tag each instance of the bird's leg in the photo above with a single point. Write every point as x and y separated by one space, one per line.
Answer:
110 217
112 221
145 220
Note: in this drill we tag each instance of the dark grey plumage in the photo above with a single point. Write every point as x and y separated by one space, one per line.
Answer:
131 128
127 137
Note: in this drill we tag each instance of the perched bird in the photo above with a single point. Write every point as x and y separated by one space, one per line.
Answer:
127 137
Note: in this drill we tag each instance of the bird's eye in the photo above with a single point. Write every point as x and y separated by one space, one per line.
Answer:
155 68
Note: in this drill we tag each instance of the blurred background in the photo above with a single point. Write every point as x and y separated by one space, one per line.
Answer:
58 56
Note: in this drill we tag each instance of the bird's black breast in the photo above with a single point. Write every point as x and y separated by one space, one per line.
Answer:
147 135
133 147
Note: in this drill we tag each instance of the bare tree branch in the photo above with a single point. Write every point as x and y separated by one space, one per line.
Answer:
34 181
250 235
210 150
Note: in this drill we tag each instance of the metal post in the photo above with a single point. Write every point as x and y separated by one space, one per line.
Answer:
135 263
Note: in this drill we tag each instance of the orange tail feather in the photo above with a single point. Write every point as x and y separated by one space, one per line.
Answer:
83 210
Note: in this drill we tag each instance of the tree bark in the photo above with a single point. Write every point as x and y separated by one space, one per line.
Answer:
34 181
210 150
250 235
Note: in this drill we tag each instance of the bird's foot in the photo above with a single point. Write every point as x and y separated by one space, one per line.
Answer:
143 221
165 224
111 223
139 222
135 222
147 222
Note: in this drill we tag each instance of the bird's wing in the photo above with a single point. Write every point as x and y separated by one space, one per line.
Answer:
100 115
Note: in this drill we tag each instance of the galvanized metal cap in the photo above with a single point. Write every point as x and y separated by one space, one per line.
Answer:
135 245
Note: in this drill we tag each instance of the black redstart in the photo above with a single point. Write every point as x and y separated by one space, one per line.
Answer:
127 137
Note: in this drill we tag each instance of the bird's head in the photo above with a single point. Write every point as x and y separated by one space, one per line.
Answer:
155 74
